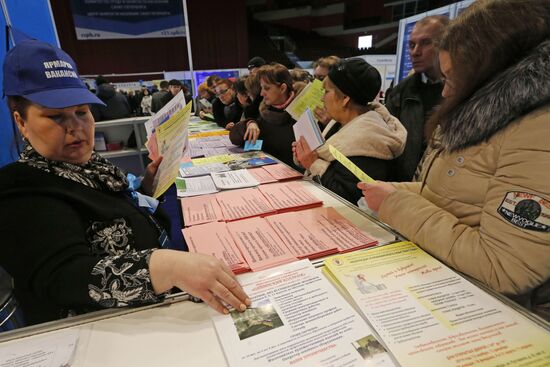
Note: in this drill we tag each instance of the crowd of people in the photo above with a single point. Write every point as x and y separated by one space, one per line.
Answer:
458 152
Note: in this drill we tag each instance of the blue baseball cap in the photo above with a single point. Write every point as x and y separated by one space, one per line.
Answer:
45 75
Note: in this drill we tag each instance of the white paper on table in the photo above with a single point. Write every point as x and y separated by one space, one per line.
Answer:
307 127
237 179
194 186
53 350
203 170
296 319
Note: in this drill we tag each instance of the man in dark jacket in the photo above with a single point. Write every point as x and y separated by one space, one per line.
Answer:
116 104
415 97
159 97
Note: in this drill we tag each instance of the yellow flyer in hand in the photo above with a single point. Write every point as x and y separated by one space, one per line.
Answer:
171 139
350 165
310 97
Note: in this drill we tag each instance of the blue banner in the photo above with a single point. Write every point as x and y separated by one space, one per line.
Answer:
115 19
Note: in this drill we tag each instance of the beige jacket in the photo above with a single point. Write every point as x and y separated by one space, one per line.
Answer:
484 207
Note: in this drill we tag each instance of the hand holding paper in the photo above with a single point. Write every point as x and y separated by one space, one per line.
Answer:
375 193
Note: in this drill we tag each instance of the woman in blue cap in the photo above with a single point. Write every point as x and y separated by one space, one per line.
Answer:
73 235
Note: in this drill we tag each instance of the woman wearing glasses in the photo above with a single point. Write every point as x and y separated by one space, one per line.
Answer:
274 124
361 129
229 111
483 206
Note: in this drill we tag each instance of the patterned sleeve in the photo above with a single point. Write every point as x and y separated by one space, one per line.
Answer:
123 280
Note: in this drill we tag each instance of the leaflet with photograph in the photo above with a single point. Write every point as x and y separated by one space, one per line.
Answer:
193 186
310 97
214 239
234 179
243 203
308 128
428 315
288 196
318 232
296 319
200 209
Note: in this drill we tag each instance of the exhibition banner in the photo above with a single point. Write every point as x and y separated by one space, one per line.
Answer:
115 19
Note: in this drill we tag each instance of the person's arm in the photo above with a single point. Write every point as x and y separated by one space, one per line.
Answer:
498 252
218 112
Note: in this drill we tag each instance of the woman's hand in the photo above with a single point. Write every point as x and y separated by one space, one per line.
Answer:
376 193
201 275
201 114
321 114
252 132
229 126
150 172
303 154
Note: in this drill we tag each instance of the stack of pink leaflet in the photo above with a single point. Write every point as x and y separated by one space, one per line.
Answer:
200 209
243 203
260 245
318 232
261 175
289 196
281 172
214 239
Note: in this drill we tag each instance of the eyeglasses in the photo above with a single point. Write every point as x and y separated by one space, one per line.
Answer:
222 92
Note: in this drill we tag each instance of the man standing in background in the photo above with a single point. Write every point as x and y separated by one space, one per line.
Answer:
414 98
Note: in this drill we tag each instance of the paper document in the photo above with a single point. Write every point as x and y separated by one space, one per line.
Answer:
318 232
243 203
214 239
234 179
308 127
282 172
285 196
193 186
200 209
171 137
296 319
52 350
203 170
428 315
310 97
261 175
349 165
260 245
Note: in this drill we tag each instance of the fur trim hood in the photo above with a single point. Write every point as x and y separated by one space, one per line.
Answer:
510 95
375 133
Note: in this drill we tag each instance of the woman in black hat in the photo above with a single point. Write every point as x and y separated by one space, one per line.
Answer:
362 130
75 237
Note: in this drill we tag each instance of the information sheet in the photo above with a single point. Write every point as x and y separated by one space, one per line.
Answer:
261 175
260 245
428 315
234 179
243 203
193 186
214 239
308 128
318 232
296 319
200 209
310 97
282 172
171 138
285 196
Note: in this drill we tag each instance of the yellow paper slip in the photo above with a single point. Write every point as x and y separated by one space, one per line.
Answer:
209 133
349 165
310 97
